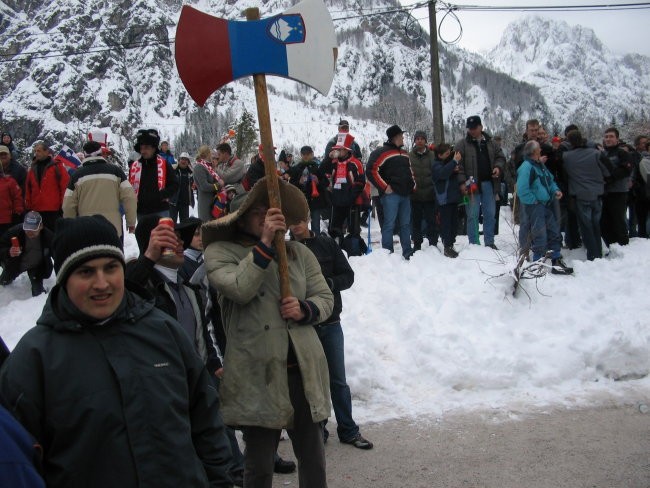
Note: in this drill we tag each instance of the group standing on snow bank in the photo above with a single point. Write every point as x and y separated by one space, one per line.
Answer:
197 317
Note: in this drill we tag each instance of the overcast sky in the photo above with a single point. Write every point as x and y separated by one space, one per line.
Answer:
622 31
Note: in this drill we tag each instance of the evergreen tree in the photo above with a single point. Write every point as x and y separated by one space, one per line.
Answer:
246 135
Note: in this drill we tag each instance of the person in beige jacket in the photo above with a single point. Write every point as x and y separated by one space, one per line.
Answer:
98 187
275 372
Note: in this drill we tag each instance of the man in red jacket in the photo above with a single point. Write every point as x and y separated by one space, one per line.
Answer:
11 200
45 186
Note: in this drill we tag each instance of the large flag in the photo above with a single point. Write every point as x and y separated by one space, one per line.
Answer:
299 44
68 157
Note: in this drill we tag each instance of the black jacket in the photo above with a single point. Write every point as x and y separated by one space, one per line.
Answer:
255 172
185 195
13 264
309 169
126 403
390 165
335 268
150 198
142 273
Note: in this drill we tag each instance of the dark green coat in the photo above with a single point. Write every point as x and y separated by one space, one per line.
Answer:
254 388
421 166
127 403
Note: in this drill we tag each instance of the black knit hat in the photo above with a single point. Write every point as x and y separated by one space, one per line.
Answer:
81 239
148 137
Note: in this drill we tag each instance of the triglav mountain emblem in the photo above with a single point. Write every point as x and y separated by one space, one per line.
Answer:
288 29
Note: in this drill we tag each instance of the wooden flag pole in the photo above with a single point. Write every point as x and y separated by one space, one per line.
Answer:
272 180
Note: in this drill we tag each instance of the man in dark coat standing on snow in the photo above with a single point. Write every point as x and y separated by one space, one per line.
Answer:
484 162
152 177
109 385
389 169
423 199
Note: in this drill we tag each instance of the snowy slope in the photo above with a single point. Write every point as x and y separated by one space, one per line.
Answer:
435 335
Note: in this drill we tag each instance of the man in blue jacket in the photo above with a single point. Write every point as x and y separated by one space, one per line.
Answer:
536 189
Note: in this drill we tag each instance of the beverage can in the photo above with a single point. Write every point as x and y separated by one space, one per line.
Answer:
169 222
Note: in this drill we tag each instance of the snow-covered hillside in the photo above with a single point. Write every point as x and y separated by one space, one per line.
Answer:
69 65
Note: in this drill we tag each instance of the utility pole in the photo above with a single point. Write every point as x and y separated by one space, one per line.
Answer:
436 95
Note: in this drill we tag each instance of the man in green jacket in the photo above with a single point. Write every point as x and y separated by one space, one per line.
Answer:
110 386
423 199
275 372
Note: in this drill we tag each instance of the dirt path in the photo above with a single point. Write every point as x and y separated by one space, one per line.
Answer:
604 447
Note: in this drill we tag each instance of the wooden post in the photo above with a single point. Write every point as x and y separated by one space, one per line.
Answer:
436 95
272 180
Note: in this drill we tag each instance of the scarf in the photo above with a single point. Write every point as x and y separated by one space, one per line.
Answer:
135 172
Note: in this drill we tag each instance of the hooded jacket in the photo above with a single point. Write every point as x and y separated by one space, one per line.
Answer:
124 403
98 187
46 195
421 164
254 388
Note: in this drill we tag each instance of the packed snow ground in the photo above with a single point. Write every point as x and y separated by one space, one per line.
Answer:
436 335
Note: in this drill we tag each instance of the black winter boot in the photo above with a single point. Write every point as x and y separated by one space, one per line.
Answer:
560 267
37 285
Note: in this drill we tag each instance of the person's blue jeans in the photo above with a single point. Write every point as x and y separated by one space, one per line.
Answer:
484 199
331 337
524 234
396 207
544 230
589 213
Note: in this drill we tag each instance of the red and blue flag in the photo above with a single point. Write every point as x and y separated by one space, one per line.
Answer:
68 157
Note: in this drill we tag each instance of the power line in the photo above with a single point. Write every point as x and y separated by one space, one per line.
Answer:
383 12
98 49
552 8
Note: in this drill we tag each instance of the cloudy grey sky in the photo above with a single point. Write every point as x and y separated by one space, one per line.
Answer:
624 31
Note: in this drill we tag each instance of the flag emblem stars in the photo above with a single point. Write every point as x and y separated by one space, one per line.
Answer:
288 29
